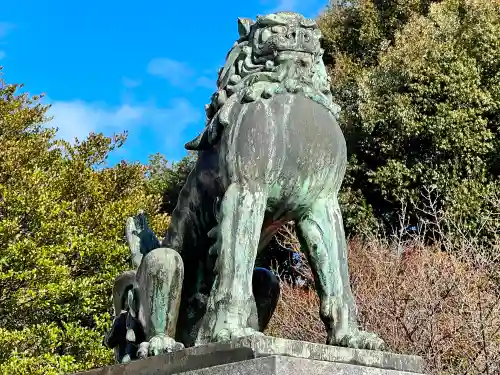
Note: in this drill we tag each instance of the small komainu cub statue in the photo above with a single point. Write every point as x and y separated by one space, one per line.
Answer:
271 152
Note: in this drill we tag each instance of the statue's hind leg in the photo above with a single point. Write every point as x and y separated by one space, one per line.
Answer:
321 233
231 304
159 279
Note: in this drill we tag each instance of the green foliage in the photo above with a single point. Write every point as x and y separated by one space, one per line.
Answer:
361 29
61 240
419 86
168 179
420 89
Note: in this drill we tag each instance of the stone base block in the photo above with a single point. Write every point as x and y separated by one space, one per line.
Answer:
263 355
281 365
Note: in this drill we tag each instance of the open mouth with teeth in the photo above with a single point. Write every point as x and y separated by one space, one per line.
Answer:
293 50
305 58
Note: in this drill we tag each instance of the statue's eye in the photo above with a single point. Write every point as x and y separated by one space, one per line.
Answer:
307 37
278 29
265 34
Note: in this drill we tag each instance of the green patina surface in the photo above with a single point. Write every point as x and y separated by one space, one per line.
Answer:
271 152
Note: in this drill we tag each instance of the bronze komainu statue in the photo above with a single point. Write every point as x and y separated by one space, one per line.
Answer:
272 152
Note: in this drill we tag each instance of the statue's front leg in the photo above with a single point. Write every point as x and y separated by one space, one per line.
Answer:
159 279
231 304
321 233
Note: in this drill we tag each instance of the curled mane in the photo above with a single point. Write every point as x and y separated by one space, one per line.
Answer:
267 60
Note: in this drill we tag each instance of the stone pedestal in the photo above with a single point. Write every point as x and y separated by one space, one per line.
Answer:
269 356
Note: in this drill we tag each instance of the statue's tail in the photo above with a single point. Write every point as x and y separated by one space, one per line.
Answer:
141 240
140 237
133 240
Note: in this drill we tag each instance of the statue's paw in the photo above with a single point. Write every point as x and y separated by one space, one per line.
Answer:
159 344
358 339
126 359
236 333
143 350
163 344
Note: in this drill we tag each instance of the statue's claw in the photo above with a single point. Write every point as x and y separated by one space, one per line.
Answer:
358 339
163 344
142 352
126 359
159 344
231 334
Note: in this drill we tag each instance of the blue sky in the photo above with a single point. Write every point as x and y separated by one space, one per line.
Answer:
147 66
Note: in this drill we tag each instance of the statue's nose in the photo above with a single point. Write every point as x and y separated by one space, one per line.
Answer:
305 61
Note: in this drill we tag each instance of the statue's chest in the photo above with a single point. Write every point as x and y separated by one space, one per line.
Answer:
285 129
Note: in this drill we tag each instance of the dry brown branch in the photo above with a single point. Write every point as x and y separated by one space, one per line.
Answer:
441 305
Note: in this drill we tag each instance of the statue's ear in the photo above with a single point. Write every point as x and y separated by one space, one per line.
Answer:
244 25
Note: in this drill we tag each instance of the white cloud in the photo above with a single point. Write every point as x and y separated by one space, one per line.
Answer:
78 118
175 72
131 83
178 73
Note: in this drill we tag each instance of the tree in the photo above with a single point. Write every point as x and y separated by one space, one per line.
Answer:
168 179
61 240
420 110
